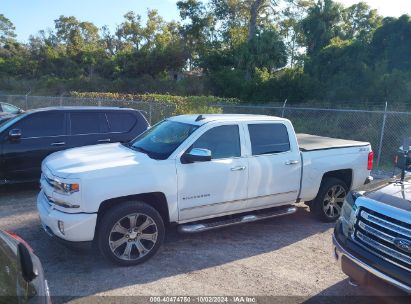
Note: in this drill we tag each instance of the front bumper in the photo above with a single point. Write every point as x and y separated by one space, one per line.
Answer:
78 227
361 271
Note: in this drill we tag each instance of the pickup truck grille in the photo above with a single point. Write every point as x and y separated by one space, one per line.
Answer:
379 234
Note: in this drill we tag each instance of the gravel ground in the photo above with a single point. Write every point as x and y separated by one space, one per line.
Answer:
288 256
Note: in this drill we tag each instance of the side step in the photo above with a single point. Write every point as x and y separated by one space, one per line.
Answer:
245 218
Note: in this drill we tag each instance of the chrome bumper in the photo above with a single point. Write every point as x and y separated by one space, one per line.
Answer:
340 252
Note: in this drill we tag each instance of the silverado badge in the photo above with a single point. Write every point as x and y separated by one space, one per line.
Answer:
403 244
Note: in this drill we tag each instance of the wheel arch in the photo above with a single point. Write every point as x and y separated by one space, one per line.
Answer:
157 200
345 175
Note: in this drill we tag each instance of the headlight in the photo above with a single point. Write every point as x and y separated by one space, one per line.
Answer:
348 212
70 188
60 186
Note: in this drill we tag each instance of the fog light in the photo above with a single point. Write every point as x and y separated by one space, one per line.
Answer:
61 226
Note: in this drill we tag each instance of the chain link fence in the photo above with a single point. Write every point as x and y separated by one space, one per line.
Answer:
384 129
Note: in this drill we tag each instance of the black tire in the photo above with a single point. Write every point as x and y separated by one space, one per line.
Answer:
325 209
111 230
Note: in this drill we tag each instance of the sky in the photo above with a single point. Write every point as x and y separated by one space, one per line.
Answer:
31 16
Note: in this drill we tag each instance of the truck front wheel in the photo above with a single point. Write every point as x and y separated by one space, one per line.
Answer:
330 198
130 233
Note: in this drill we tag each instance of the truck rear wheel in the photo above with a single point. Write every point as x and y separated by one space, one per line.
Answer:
130 233
330 198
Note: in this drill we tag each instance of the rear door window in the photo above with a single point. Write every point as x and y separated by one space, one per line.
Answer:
268 138
88 123
121 122
42 124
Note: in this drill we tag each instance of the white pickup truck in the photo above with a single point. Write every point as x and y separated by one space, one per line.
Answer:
199 172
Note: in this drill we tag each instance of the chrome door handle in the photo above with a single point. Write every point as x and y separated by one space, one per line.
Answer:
104 140
240 168
291 162
61 143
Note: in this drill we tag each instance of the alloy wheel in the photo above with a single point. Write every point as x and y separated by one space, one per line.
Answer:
133 236
333 201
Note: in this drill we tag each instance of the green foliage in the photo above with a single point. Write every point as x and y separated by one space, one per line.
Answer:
251 50
7 29
183 104
321 25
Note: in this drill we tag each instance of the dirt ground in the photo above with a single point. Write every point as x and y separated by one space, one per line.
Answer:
288 256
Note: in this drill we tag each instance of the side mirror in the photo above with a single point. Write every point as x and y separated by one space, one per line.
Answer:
26 263
403 157
196 155
15 134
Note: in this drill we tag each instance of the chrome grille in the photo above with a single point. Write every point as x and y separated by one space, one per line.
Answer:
378 233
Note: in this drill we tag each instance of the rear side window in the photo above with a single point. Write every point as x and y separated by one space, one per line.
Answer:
121 122
42 125
223 142
268 138
88 123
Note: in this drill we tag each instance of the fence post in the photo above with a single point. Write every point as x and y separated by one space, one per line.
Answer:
284 104
61 99
150 112
382 135
26 99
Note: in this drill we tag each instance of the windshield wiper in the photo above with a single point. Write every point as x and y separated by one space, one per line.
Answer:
140 149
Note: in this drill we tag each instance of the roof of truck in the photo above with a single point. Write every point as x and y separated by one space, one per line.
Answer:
195 119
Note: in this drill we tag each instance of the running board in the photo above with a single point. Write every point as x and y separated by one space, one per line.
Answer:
205 226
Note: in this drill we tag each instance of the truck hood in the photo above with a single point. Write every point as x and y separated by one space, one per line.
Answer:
75 162
390 192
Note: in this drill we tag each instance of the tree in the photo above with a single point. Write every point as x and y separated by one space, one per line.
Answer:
265 51
129 33
198 31
391 43
7 29
321 25
359 21
291 30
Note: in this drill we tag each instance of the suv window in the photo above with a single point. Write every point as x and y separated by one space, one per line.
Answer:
223 142
121 122
268 138
42 124
88 123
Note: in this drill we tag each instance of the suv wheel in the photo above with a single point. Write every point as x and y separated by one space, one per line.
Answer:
131 233
330 198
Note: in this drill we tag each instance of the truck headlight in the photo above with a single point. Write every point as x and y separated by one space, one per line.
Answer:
348 212
70 188
62 186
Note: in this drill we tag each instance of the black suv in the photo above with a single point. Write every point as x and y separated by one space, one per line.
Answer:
26 139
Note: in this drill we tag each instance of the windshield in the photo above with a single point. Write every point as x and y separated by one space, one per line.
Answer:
162 139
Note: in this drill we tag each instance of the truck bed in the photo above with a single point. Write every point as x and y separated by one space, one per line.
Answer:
308 142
